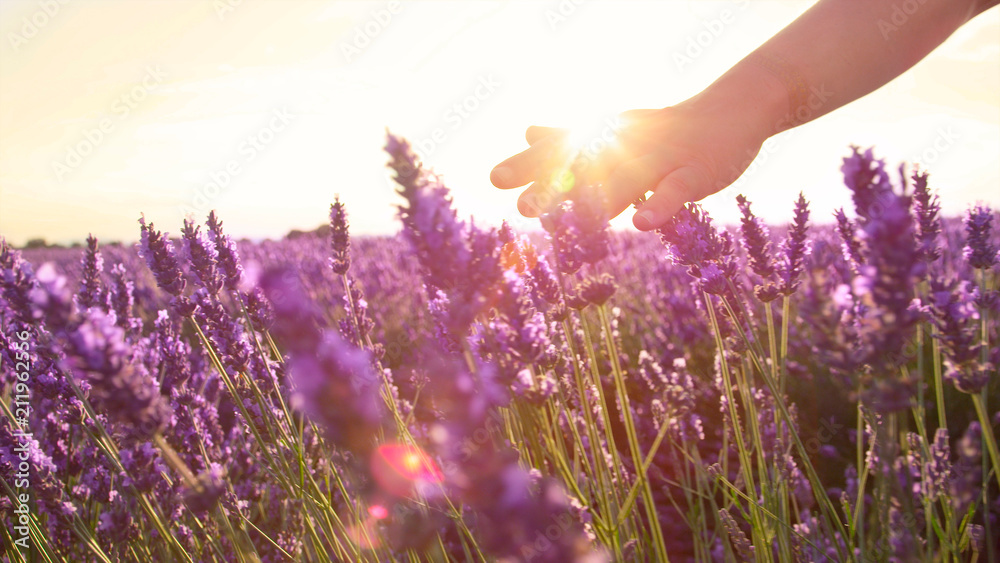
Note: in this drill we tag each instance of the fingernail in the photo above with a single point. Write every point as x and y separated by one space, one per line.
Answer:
644 220
501 175
530 206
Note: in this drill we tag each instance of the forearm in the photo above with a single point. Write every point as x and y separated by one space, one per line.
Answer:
834 53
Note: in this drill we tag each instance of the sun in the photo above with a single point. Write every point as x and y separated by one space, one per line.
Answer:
592 148
594 137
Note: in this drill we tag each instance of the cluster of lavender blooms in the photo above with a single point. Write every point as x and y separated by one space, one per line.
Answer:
799 393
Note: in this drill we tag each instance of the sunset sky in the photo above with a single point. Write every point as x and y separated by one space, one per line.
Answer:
264 109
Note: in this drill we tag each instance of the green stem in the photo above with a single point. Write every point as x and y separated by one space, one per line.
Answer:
988 436
656 530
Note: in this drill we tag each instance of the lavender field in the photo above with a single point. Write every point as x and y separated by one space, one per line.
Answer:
457 393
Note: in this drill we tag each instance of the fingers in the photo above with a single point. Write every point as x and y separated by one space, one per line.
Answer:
685 184
540 197
530 165
532 202
632 179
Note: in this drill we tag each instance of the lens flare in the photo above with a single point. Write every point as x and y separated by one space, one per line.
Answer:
378 512
398 468
592 150
562 180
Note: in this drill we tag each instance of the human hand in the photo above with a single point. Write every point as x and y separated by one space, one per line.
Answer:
681 153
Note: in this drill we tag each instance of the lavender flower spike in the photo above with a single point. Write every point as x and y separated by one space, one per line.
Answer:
339 238
926 209
92 293
869 183
334 382
796 247
756 240
202 255
979 251
98 353
847 231
545 282
155 248
598 289
228 258
430 223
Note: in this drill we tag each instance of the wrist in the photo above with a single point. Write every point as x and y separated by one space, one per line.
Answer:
762 96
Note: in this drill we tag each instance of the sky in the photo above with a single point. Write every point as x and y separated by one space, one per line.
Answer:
263 110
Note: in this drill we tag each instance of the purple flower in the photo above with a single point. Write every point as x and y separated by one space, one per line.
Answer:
204 497
506 233
939 465
535 390
174 352
16 283
259 310
522 332
979 250
744 549
340 240
18 450
459 259
598 289
563 236
795 248
578 229
576 301
333 382
868 181
228 259
430 224
756 239
849 241
97 353
155 248
694 242
976 535
225 333
926 209
885 282
512 507
953 312
966 484
91 291
902 540
545 283
122 299
202 256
